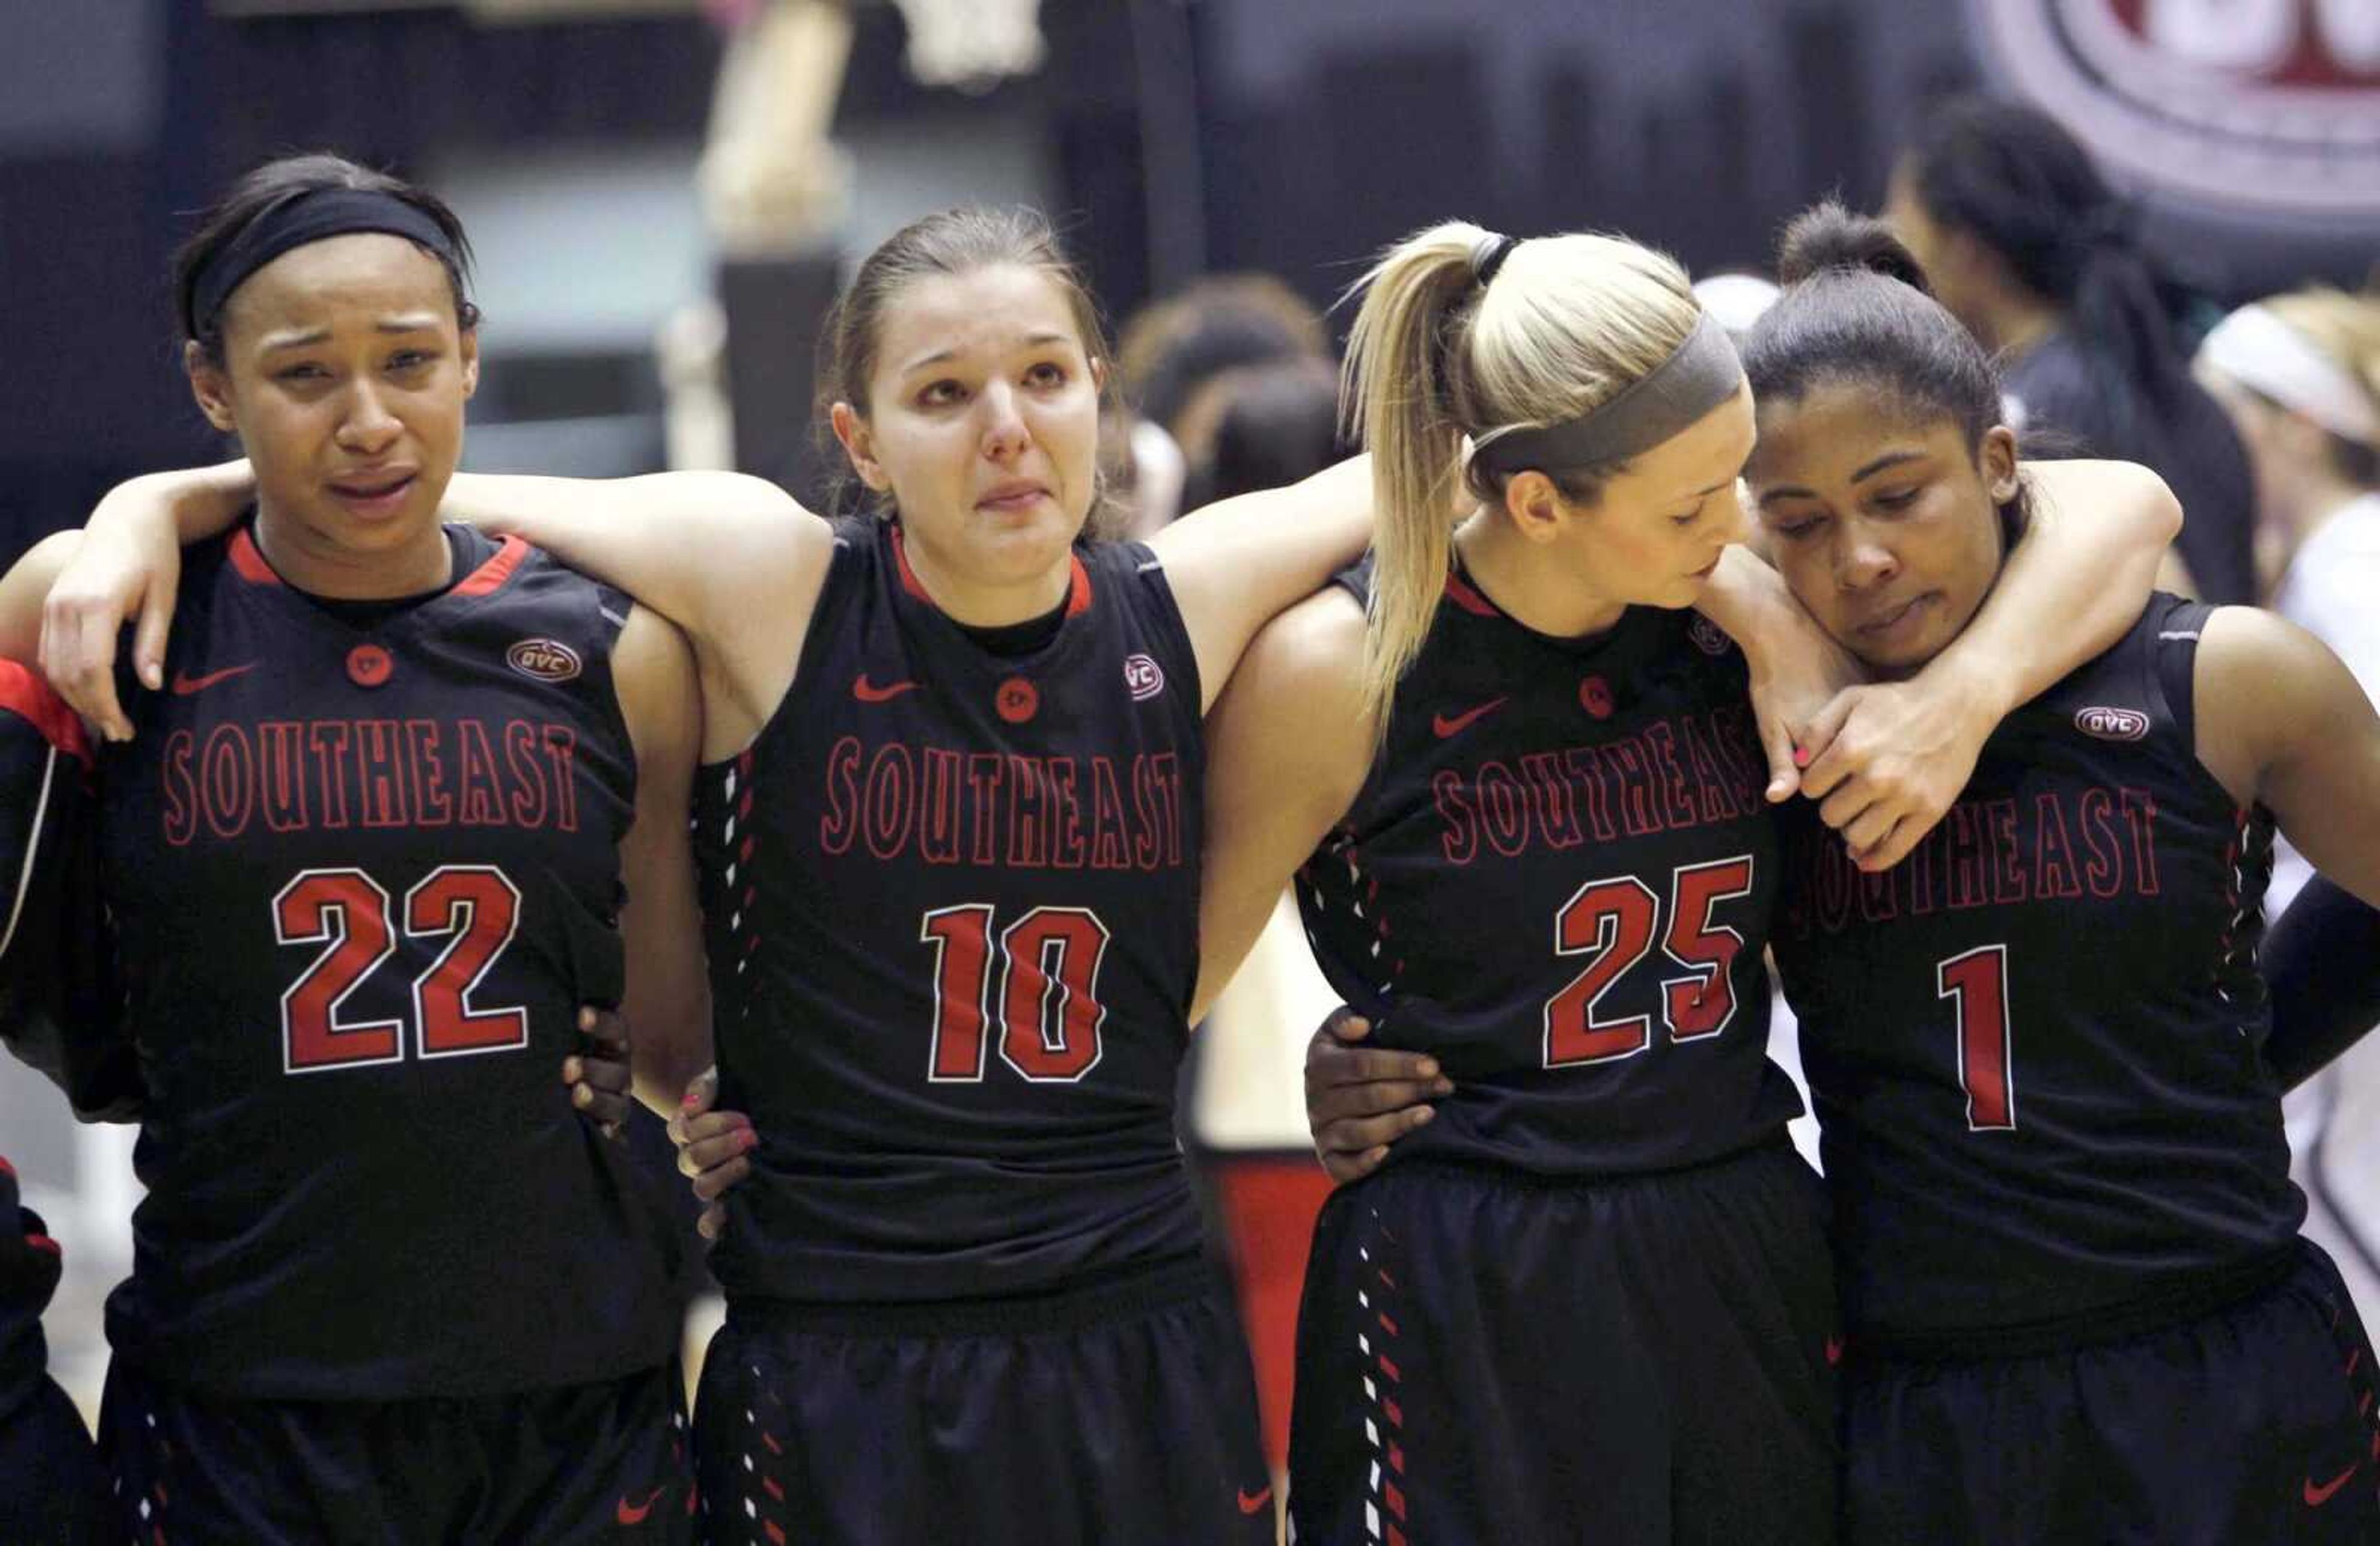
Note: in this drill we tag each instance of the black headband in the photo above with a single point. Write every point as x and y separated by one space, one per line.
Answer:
310 217
1698 376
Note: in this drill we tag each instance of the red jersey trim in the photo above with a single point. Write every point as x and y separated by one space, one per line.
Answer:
490 577
249 561
30 698
1464 594
1078 586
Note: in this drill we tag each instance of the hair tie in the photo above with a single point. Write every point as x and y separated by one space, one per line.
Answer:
1488 255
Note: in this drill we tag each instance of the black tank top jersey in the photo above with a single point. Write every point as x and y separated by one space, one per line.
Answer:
29 1266
1557 879
364 862
2035 1044
952 899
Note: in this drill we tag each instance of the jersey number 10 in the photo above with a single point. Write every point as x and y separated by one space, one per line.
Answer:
1041 993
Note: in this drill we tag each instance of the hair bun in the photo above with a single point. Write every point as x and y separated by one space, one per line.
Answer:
1830 236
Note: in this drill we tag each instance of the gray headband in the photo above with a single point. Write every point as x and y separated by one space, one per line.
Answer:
1702 374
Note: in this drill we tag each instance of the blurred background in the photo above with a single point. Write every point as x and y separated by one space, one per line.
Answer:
665 195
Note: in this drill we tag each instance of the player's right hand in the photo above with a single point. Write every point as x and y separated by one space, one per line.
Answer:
714 1148
122 570
1361 1099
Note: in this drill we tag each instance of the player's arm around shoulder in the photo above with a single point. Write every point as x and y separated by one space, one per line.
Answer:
2280 721
1288 747
732 559
668 996
1236 562
24 589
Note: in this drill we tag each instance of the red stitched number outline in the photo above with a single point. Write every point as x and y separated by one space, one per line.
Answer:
1978 981
1048 992
1614 922
351 912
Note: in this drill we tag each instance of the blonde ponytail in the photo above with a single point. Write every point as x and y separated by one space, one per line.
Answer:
1399 404
1436 355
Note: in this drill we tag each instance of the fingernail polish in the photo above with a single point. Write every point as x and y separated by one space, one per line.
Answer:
1801 758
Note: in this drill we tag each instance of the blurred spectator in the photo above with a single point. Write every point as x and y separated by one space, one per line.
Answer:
1173 348
1736 300
1273 425
1180 360
2300 374
2028 245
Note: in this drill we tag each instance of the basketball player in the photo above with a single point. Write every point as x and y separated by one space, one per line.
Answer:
363 857
1561 750
2078 1308
2077 1301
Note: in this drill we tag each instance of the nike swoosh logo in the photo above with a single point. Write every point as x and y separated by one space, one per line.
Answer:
2317 1496
629 1514
1462 722
1251 1502
185 684
867 693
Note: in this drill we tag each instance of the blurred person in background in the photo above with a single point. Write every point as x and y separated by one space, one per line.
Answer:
2300 374
1275 423
1171 356
2027 245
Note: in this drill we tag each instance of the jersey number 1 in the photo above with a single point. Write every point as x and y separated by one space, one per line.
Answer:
1977 981
349 911
1043 996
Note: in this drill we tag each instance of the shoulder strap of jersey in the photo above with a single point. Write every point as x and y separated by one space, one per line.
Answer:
2173 625
1356 580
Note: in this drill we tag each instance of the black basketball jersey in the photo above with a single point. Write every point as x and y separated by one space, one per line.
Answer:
1557 880
29 1265
2035 1044
952 900
364 863
59 1001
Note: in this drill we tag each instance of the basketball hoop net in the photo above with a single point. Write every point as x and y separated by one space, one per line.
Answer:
972 44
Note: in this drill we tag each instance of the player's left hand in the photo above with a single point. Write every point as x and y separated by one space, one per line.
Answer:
598 1073
1897 754
1793 684
714 1148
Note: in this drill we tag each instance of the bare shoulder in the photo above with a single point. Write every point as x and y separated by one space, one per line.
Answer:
1312 655
2261 684
1295 709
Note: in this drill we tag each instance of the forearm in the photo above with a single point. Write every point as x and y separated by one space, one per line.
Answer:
1751 604
2322 961
198 502
25 587
2071 586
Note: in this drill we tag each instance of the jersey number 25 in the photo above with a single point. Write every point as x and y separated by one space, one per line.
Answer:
1613 923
